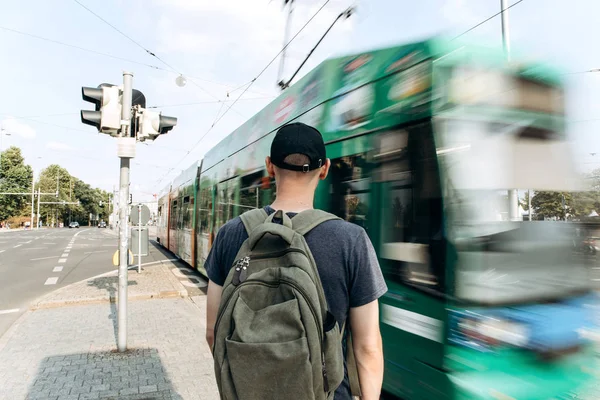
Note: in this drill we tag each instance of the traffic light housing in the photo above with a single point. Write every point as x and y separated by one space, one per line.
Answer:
152 124
106 117
108 102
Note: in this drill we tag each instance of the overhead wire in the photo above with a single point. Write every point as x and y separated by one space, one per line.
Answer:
151 53
246 89
99 53
486 20
126 36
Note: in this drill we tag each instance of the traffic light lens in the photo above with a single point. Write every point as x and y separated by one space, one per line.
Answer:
91 118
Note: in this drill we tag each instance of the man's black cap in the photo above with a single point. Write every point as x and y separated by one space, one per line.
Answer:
298 138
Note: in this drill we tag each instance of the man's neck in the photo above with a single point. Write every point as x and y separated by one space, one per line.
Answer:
292 204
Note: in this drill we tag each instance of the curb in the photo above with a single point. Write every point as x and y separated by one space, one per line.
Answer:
39 303
5 338
113 299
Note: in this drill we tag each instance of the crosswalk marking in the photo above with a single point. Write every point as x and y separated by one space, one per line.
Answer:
51 281
57 269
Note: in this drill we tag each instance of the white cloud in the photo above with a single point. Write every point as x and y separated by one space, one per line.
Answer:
16 127
59 146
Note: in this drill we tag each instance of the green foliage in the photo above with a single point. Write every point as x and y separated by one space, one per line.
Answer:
70 190
550 205
15 176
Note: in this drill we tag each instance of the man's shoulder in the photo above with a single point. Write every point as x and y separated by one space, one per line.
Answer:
340 229
233 226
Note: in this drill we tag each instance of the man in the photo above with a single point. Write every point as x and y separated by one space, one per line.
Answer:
343 253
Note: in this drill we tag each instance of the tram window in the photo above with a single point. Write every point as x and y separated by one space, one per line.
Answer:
250 191
173 216
349 188
205 210
224 205
412 247
189 212
268 190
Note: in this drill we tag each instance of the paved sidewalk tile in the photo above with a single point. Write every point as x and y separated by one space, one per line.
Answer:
69 353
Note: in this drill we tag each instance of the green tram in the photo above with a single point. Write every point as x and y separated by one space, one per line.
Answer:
425 141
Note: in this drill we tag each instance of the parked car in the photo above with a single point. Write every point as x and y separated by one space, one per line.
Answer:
102 224
74 225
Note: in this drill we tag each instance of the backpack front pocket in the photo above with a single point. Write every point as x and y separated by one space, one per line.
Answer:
271 371
274 323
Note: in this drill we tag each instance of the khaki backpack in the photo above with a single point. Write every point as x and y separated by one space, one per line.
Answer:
274 335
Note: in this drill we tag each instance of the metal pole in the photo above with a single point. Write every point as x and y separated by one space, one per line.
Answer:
529 202
285 39
32 195
505 33
513 195
139 238
123 196
37 226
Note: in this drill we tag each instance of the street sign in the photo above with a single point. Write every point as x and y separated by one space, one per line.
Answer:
134 214
139 245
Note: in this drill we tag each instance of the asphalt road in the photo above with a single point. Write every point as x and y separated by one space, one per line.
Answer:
34 263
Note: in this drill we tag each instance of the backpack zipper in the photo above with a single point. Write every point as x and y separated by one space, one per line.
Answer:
313 312
242 264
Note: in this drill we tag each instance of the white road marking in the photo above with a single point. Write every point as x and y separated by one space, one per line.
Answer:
65 255
57 269
100 251
42 258
28 242
13 310
2 251
36 248
51 281
19 245
62 260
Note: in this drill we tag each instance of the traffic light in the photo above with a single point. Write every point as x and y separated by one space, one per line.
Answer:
152 124
107 114
108 103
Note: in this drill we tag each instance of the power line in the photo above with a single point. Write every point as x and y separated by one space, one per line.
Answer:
78 47
155 56
486 20
99 53
126 36
246 89
209 102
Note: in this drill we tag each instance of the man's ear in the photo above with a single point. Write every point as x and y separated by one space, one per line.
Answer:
325 169
270 167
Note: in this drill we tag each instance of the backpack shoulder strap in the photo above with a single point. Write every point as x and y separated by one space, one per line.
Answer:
253 218
306 220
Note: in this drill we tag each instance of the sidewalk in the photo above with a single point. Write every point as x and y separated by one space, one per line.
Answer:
65 346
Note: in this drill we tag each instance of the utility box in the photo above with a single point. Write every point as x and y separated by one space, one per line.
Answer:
135 241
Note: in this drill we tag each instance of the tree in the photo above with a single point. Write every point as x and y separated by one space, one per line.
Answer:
15 176
550 205
55 178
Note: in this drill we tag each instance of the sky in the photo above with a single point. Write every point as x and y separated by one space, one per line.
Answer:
220 46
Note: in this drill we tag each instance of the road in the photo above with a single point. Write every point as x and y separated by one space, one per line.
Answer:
34 263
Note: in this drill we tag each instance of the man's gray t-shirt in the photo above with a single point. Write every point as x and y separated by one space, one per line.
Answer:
345 259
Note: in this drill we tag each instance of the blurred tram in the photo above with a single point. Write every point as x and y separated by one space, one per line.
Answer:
426 140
